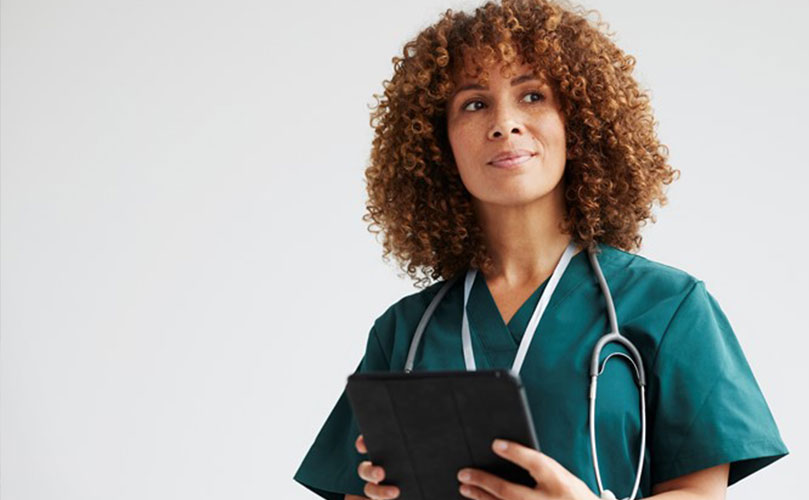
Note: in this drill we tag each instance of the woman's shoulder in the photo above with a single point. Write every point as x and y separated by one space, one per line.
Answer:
409 308
395 327
663 300
629 269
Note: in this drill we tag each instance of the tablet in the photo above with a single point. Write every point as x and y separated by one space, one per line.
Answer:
422 427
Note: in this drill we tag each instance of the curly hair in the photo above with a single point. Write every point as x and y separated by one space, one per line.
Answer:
615 166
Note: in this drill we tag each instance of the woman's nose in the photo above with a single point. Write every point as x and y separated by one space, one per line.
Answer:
505 124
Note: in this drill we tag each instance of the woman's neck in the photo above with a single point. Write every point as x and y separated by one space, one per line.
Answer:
524 241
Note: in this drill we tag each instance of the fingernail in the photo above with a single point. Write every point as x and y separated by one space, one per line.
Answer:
463 475
500 444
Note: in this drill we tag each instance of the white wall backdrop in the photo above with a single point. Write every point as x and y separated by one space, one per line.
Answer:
186 279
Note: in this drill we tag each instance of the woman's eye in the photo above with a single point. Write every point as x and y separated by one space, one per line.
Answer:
539 96
466 106
478 104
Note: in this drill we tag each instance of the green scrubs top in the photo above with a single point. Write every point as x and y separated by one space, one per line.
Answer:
703 404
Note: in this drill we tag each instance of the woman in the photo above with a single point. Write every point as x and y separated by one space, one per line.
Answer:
503 137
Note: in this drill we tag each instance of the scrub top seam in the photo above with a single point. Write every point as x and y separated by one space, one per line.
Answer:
671 321
486 350
577 285
484 288
399 308
375 335
746 445
473 328
607 263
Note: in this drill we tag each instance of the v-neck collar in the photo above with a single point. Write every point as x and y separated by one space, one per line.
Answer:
500 340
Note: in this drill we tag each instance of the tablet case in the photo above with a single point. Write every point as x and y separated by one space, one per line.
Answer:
422 427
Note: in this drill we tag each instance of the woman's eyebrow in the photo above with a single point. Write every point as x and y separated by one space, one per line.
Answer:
476 86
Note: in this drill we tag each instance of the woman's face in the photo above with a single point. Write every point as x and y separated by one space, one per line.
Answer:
517 116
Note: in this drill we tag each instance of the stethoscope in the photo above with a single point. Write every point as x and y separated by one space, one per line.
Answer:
613 336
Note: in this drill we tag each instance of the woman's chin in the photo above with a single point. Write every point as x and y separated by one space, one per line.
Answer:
511 199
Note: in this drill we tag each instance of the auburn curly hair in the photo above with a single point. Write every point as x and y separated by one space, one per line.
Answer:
615 166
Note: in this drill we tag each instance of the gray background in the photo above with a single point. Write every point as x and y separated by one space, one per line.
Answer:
186 281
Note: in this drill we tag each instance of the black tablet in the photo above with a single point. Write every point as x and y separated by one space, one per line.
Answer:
422 427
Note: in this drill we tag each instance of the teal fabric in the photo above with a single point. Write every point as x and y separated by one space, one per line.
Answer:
704 405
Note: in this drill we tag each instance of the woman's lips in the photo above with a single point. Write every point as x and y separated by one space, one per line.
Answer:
512 161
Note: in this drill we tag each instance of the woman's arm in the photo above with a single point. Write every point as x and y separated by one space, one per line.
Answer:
705 484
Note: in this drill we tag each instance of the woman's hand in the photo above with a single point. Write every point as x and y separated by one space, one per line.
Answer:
373 474
553 480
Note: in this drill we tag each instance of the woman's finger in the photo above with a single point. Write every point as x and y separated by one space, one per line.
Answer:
360 444
476 493
370 472
381 491
540 466
493 485
356 497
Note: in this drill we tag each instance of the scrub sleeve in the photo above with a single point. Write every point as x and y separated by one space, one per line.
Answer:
329 469
707 408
